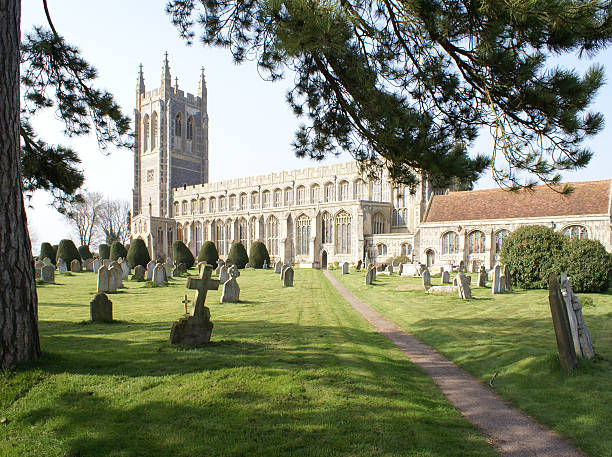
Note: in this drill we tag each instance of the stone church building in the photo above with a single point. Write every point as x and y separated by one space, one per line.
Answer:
313 216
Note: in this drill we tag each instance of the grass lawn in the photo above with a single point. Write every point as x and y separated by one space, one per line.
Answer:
291 372
511 334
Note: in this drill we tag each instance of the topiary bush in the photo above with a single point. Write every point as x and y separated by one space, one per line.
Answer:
238 255
104 251
533 253
182 254
85 253
209 254
46 250
589 265
258 254
138 254
117 250
68 251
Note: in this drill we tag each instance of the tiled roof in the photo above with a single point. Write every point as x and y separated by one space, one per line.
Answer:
588 198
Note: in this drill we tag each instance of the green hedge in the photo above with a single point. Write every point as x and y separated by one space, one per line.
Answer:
258 254
84 252
117 251
104 251
238 255
182 254
209 254
68 251
138 254
588 265
46 250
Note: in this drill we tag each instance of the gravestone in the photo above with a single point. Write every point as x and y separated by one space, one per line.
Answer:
38 265
462 267
112 279
150 268
197 327
390 269
506 273
373 272
345 268
358 267
265 265
502 283
125 269
159 274
283 269
233 271
88 264
61 266
47 261
231 291
75 266
139 273
220 262
107 262
223 275
278 266
48 273
96 265
169 267
475 266
482 277
445 277
288 277
563 332
101 309
580 334
368 275
495 289
400 269
426 278
117 274
104 280
247 265
463 287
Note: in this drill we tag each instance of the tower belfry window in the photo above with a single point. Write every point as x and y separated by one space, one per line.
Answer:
178 125
190 128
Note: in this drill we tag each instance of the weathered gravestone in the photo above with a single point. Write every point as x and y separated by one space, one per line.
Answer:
265 265
220 262
197 327
107 262
283 269
101 309
463 286
39 264
223 275
247 265
278 266
169 267
47 261
125 269
502 283
150 268
61 266
563 333
88 264
288 277
139 273
233 271
506 273
96 265
48 273
482 277
116 275
390 269
231 291
400 269
159 274
580 334
345 268
445 277
75 266
358 267
495 286
113 277
38 269
426 278
104 280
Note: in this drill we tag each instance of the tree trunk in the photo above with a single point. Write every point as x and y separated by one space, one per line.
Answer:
18 302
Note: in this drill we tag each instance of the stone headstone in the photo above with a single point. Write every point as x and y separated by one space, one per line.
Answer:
278 266
39 264
104 280
482 277
139 273
233 271
265 265
150 268
463 286
61 266
426 278
445 277
400 269
47 261
220 262
358 267
393 264
495 286
390 269
580 334
96 265
47 273
288 277
462 267
107 262
223 274
563 332
502 283
88 264
506 273
159 274
283 269
368 276
116 274
125 269
75 266
345 268
247 265
231 291
101 309
169 267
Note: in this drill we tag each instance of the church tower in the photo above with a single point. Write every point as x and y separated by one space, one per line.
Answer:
170 142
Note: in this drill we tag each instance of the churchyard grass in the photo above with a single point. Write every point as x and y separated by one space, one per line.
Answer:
290 371
511 335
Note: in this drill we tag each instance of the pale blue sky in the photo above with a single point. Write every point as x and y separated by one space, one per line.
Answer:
251 127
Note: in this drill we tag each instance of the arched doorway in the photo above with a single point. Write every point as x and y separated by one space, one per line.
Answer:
324 260
431 257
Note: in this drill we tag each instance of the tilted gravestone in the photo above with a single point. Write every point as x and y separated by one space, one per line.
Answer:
159 274
96 265
223 274
231 291
495 286
358 267
506 273
445 277
278 266
47 261
288 277
150 268
345 268
463 286
482 277
101 309
104 280
61 266
48 273
197 327
125 269
563 333
116 274
580 334
139 273
426 278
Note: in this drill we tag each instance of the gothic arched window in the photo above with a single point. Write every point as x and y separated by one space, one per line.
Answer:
343 233
576 232
406 249
218 237
254 200
500 236
381 249
178 125
190 128
212 204
450 243
328 194
154 125
301 195
343 191
476 242
252 225
243 201
302 234
265 197
326 228
145 133
272 235
242 231
378 224
315 193
360 190
232 202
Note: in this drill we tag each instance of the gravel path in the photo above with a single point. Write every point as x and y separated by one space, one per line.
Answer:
510 432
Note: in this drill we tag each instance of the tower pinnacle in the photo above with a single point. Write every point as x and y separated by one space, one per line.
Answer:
166 78
202 85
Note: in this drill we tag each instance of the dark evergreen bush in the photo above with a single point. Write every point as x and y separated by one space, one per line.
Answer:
67 251
182 254
104 251
84 252
238 255
46 250
209 254
533 253
117 250
138 254
589 265
259 254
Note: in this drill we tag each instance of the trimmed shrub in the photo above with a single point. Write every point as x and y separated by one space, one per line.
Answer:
117 250
138 254
533 253
104 251
258 254
46 250
84 252
238 255
68 251
209 254
589 265
182 254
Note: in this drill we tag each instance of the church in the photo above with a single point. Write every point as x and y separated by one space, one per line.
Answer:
312 217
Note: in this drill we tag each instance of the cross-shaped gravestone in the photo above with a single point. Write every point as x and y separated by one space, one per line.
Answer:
201 285
186 303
